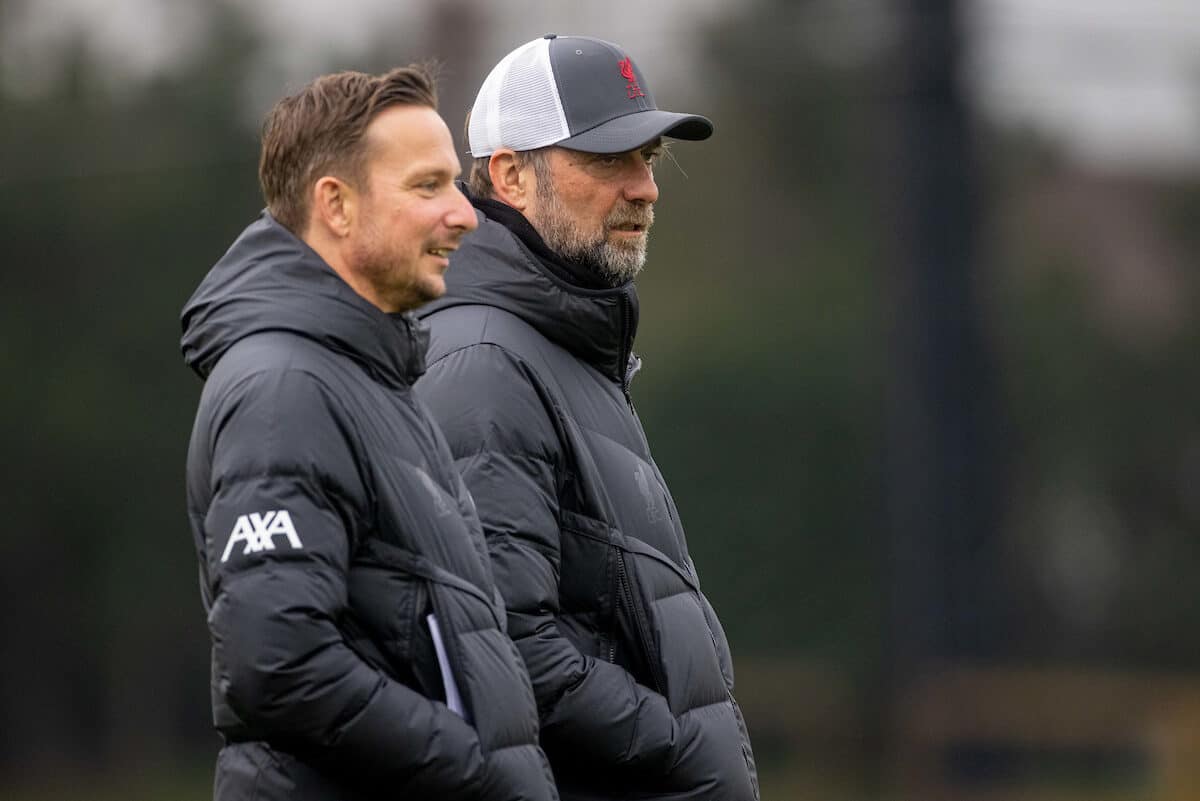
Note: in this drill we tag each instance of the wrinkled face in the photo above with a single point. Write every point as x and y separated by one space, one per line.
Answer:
597 209
411 215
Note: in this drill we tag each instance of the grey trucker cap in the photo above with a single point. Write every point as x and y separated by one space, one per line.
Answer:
574 91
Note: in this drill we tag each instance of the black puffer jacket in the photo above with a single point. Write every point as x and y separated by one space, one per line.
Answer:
529 378
329 522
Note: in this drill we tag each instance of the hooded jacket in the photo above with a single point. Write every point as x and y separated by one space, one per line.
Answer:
529 378
330 523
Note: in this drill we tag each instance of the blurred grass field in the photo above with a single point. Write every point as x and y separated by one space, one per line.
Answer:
194 783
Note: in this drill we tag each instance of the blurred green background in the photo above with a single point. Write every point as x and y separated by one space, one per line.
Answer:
920 326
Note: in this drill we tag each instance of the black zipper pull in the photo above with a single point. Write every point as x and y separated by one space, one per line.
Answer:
626 343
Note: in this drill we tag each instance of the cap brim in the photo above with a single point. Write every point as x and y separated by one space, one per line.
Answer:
631 131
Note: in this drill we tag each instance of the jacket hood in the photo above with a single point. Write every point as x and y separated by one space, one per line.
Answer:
493 267
269 280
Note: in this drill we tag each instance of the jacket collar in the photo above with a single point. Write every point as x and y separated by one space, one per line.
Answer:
497 266
572 273
270 280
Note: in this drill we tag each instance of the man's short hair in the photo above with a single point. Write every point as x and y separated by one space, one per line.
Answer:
479 180
319 131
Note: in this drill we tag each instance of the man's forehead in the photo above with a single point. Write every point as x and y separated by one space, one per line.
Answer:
410 126
420 137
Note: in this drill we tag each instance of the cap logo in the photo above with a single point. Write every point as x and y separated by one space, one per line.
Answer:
632 89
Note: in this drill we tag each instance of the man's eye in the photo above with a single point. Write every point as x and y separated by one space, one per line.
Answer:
651 156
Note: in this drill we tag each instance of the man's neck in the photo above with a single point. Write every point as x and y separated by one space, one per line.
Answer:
331 253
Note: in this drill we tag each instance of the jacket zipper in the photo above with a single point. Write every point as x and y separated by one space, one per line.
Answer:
643 628
626 347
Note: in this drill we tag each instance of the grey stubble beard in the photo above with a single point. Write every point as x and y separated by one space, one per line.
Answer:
616 263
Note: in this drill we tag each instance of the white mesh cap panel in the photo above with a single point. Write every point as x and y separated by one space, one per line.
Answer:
518 105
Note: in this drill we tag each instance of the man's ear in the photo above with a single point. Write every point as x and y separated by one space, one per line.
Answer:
511 183
334 206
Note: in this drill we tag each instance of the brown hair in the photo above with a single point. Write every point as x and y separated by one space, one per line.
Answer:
319 131
479 182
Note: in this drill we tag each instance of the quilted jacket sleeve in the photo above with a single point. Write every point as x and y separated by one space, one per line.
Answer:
510 454
286 502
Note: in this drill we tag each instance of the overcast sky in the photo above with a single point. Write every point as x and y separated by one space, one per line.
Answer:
1116 82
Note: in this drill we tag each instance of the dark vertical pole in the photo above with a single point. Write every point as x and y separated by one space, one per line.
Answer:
942 463
457 29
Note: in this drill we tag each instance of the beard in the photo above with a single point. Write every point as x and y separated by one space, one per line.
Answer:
616 262
388 271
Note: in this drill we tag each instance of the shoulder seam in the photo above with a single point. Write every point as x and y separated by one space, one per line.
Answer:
515 356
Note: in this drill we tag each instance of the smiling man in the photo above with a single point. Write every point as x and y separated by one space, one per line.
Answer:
530 367
358 645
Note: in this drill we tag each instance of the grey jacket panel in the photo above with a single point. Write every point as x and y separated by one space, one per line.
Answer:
528 378
330 522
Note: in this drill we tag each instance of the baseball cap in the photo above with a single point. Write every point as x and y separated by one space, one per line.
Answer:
574 91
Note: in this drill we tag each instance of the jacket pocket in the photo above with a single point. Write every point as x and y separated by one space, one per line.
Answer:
392 594
484 666
496 694
631 625
452 616
664 616
384 620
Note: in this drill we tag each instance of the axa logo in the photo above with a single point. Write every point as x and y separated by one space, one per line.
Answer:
258 532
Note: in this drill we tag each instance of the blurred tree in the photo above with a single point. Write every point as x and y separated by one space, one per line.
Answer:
1104 386
762 386
116 201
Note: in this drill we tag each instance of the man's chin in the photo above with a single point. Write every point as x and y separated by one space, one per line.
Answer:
431 288
626 262
416 296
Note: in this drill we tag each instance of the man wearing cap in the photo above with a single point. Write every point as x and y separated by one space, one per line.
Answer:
530 364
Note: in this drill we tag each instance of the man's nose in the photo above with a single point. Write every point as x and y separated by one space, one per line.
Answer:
462 213
641 187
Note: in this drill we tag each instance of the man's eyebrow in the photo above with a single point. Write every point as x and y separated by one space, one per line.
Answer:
434 172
